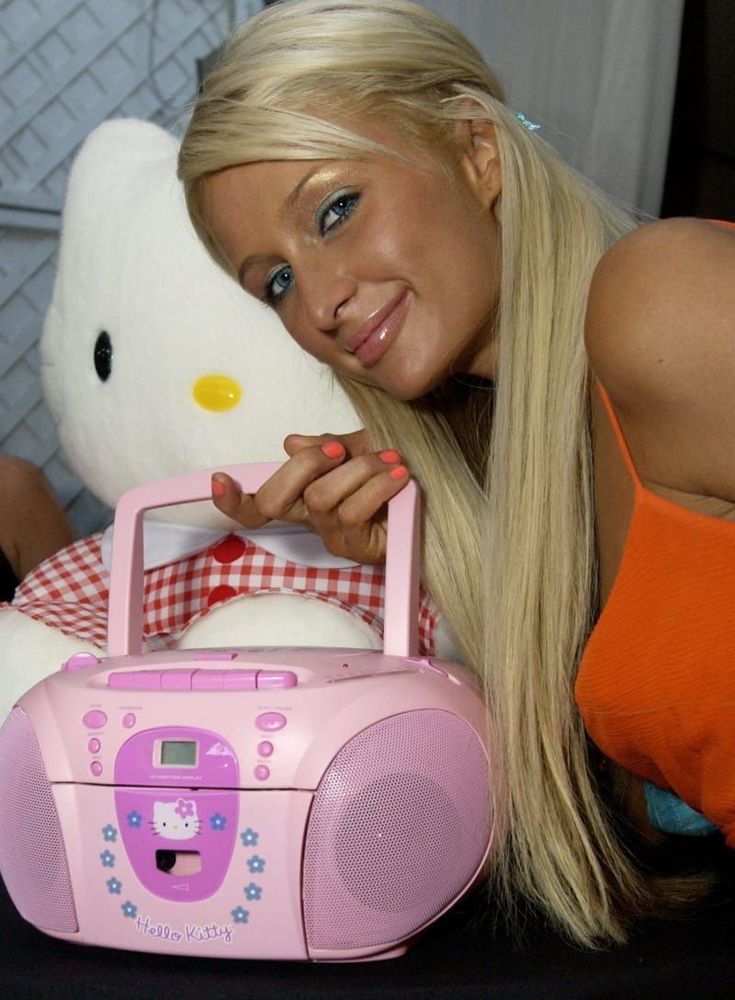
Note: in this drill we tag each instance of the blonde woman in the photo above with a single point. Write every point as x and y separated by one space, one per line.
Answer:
504 330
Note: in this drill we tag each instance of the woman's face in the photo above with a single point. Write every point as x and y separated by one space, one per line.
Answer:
384 270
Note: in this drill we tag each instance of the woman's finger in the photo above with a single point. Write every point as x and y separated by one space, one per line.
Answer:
341 498
348 507
228 498
355 443
281 496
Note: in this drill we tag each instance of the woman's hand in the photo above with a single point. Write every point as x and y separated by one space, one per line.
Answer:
332 484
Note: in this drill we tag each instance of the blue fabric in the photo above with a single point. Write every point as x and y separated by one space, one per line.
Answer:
669 814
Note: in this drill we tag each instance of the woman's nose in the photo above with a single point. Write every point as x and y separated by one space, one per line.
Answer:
325 293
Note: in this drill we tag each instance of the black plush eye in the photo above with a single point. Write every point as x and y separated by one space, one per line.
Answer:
103 356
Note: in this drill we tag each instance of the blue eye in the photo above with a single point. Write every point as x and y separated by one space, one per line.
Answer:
278 283
335 211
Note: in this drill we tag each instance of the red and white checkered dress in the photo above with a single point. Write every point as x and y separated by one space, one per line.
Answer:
69 590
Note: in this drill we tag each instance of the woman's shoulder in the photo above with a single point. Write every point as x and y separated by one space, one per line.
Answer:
661 312
660 336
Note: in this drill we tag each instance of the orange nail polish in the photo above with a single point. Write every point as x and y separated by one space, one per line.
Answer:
399 472
333 449
218 488
389 456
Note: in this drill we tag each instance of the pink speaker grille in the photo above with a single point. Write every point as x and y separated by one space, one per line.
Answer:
32 855
399 825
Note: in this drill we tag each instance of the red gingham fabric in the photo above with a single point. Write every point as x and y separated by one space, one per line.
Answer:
69 590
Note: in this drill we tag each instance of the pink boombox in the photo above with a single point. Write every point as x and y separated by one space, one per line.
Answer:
278 803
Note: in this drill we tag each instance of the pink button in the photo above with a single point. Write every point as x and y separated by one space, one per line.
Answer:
94 719
261 772
129 720
270 680
94 746
265 748
239 680
207 680
135 680
216 654
176 680
81 661
270 722
96 768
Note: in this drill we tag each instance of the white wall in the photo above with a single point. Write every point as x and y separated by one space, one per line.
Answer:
598 74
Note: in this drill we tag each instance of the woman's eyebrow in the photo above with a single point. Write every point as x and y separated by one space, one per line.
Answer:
291 202
254 260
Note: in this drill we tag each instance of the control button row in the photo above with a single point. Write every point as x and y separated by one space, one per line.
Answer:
176 679
97 719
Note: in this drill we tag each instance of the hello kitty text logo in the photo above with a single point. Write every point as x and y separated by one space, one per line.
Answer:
190 933
176 820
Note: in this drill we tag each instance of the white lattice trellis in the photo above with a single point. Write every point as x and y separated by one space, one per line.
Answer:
65 66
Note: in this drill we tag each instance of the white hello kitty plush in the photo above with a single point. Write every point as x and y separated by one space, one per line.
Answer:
155 363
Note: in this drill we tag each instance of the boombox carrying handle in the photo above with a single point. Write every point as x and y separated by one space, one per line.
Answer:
125 615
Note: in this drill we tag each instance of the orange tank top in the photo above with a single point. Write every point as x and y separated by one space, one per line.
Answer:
656 684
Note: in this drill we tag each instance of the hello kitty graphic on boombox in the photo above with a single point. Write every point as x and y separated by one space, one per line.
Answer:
279 803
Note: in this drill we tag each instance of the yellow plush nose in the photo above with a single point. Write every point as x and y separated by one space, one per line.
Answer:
217 392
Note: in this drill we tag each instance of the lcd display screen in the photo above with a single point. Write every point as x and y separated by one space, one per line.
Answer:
178 753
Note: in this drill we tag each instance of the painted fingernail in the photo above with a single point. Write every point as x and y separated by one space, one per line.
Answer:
389 457
218 488
399 472
333 449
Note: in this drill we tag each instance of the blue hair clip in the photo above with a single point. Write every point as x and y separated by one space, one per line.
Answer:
526 122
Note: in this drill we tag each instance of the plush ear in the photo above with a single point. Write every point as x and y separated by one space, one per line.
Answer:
480 159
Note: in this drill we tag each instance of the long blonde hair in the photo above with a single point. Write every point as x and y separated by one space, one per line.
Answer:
509 539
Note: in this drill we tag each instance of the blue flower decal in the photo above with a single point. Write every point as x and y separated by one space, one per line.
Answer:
218 821
109 833
249 838
134 818
114 886
252 891
108 859
256 864
129 909
239 915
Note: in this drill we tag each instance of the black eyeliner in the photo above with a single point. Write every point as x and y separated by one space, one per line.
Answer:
328 204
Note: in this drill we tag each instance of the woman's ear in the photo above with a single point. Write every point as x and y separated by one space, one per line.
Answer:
480 159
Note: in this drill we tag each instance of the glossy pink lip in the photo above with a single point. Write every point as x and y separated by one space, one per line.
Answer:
378 331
